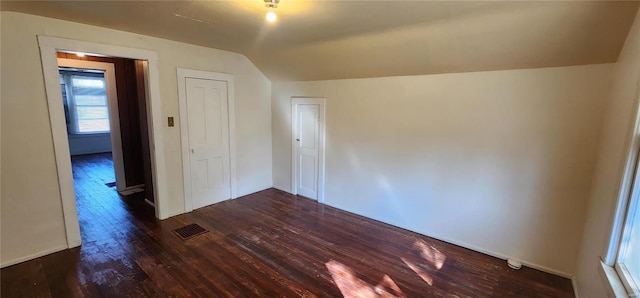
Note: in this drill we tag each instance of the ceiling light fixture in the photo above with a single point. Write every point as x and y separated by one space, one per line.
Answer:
271 5
271 16
80 54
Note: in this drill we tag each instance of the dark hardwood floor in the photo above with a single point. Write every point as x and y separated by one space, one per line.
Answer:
266 244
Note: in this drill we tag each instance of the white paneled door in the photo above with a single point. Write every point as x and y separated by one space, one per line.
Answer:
208 129
309 147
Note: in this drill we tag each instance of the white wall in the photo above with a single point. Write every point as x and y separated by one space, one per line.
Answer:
31 219
616 135
500 161
89 144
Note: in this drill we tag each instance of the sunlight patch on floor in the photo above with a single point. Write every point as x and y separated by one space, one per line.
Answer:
423 274
430 254
352 286
434 260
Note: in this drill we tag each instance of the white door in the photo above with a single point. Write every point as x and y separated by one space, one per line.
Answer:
208 129
309 147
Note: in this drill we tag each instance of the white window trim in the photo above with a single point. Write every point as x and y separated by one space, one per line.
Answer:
626 282
618 286
611 278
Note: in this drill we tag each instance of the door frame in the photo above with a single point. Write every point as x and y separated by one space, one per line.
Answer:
49 46
114 116
295 101
183 74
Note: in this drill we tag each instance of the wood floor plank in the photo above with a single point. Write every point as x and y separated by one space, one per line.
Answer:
24 280
265 244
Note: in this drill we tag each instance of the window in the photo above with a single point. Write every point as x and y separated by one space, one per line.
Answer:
85 101
628 261
624 253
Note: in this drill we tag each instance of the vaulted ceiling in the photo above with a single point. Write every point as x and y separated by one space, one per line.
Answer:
314 40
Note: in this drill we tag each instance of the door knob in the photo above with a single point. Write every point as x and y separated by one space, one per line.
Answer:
298 140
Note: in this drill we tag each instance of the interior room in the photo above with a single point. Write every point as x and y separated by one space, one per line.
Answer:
106 117
320 148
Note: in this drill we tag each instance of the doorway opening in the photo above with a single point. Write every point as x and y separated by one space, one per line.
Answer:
49 47
104 100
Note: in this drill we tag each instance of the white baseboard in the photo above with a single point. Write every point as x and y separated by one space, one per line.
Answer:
255 190
134 186
239 195
174 214
546 269
458 243
574 284
33 256
281 188
503 257
130 191
462 244
473 247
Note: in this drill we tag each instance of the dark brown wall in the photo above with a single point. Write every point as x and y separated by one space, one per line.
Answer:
131 106
144 128
130 124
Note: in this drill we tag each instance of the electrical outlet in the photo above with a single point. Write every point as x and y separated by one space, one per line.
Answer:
170 121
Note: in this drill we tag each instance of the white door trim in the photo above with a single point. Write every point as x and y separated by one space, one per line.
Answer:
183 74
48 48
114 117
294 148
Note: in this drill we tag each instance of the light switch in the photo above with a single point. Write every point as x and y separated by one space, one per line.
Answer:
170 121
